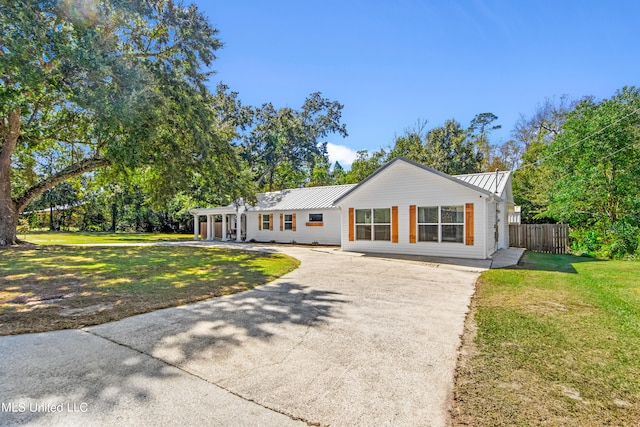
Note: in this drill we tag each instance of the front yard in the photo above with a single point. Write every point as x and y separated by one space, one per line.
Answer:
95 238
555 341
59 287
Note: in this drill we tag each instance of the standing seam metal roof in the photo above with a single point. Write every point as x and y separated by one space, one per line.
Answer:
325 197
301 198
487 180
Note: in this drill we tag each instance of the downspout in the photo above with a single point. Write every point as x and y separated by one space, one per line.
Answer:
496 226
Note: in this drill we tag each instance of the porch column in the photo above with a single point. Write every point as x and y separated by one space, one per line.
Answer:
209 227
196 226
239 226
224 227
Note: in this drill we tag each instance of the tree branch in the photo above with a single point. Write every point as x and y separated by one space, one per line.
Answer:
36 110
83 166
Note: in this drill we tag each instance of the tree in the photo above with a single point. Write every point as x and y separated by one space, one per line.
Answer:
532 135
338 174
321 173
479 128
411 143
282 147
112 83
595 161
364 165
448 149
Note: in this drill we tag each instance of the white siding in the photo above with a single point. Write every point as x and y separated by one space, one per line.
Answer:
402 185
327 234
491 227
503 226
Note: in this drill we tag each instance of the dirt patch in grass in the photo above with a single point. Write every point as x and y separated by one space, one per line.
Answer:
50 288
556 343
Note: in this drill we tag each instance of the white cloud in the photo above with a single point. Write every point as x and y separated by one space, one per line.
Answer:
341 154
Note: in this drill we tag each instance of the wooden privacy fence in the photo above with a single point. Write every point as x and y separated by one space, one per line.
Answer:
548 238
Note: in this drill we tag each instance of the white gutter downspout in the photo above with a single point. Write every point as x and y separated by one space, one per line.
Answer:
496 226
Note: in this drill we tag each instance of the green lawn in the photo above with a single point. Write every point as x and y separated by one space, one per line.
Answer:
78 238
555 342
59 287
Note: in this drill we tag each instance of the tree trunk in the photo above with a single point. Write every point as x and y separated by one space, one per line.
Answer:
10 131
114 217
8 218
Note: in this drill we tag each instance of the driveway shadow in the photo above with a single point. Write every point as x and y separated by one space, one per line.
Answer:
213 329
146 367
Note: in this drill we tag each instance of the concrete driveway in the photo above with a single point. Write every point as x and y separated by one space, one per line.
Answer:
343 340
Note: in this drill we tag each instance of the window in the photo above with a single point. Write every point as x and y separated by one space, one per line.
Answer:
428 220
363 224
266 222
315 217
441 224
288 222
373 224
452 220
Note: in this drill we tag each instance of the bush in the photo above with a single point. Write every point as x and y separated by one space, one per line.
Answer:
620 240
588 241
624 240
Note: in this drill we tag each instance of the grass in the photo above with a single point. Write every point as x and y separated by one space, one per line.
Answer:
78 238
60 287
554 342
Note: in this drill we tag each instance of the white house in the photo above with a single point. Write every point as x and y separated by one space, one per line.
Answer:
403 208
301 215
409 208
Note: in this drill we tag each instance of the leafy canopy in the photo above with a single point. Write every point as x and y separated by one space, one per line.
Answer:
596 162
89 84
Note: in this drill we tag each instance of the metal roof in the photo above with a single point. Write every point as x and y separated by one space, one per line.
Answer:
489 181
326 197
301 198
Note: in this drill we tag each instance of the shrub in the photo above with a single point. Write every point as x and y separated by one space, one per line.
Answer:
624 240
587 241
617 241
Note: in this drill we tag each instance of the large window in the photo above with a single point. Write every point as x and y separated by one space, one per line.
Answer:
266 222
373 224
441 224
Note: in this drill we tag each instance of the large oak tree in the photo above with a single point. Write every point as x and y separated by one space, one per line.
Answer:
104 83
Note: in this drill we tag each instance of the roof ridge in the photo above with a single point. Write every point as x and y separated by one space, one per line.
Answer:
306 188
481 173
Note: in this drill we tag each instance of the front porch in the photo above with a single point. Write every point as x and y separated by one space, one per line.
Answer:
221 223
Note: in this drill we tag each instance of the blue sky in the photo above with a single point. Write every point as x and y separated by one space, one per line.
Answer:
391 63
